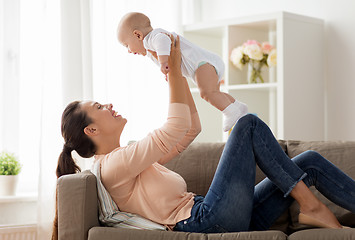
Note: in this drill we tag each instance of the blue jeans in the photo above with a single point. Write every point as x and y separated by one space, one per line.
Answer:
233 204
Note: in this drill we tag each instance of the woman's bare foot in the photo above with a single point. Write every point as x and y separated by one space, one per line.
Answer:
319 214
312 207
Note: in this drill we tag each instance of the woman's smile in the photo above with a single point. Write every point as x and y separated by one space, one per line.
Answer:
115 114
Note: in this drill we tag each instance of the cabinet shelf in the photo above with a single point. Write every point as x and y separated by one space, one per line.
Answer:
291 101
254 86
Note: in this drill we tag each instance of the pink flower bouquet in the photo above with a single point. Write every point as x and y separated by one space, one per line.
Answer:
257 55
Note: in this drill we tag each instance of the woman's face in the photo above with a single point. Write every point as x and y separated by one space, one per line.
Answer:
106 121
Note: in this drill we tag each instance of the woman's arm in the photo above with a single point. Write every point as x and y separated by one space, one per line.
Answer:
195 123
140 155
190 135
177 83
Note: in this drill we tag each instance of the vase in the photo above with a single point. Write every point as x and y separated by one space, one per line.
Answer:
8 184
254 72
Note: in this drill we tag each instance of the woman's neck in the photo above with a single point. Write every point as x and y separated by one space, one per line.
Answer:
106 146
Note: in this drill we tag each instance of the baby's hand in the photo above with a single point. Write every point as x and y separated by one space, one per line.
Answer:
164 68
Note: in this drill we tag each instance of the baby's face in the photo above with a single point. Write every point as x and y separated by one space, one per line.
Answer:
133 41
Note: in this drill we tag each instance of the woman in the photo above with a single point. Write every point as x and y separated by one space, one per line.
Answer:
138 183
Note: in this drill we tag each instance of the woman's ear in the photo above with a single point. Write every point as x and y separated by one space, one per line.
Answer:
91 130
138 34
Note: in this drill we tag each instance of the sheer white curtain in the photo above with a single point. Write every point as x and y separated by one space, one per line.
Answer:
9 77
1 70
69 51
66 76
41 100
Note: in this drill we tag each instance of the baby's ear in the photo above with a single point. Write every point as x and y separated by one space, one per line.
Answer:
138 34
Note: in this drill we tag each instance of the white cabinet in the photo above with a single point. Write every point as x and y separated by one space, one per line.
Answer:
292 99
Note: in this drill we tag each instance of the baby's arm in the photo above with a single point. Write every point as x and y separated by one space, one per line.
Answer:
164 66
162 43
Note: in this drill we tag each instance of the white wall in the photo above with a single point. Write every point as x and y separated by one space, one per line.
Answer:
339 20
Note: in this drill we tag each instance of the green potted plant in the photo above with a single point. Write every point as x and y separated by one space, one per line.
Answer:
10 167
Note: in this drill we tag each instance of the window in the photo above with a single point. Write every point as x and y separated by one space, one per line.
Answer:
32 77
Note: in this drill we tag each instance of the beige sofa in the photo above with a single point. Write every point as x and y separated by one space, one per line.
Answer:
78 210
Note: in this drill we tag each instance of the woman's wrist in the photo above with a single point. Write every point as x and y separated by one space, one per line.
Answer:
176 82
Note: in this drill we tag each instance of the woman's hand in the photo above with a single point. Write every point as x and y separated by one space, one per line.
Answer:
174 60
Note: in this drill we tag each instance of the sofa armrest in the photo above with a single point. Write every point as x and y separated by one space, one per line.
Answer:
77 205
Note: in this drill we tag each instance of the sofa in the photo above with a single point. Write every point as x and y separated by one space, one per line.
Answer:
78 207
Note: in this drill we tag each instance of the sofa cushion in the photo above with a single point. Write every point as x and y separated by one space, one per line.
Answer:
323 234
259 235
197 165
341 154
109 233
99 233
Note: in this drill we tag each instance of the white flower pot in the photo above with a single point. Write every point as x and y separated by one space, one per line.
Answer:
8 184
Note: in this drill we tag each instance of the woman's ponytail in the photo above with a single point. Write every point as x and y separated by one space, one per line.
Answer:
66 164
73 123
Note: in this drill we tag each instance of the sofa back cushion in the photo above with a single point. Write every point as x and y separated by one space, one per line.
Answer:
197 165
341 154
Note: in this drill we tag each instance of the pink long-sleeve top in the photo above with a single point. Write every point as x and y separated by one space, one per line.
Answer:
135 178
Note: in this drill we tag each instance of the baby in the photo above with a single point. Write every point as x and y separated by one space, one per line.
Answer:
203 67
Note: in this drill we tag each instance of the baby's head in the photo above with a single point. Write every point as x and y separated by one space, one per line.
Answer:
131 30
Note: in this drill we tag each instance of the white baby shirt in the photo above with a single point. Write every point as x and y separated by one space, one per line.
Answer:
191 54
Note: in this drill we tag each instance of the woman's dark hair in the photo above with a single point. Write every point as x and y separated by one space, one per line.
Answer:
74 121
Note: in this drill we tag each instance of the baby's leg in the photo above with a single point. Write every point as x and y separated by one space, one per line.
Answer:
207 81
230 97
